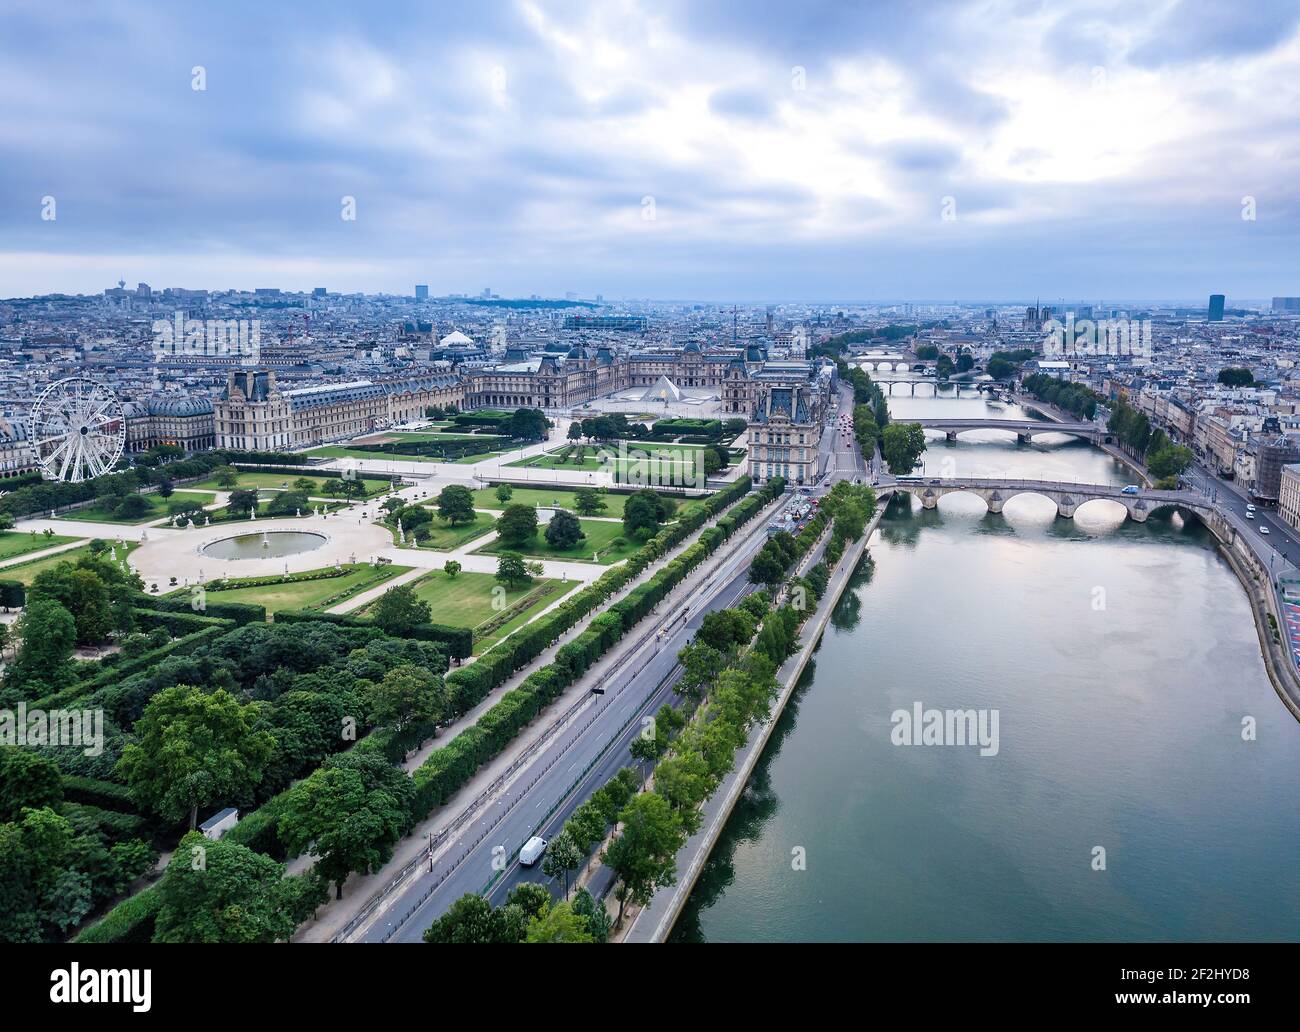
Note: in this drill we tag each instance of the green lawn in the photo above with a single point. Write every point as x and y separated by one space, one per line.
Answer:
28 571
281 481
473 599
300 593
486 498
600 534
20 542
446 538
158 507
220 515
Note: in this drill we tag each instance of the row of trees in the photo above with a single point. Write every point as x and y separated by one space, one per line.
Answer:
1072 397
1165 461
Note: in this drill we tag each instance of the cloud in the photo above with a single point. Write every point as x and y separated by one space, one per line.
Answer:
513 143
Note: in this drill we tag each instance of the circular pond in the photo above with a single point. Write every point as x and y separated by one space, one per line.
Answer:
269 544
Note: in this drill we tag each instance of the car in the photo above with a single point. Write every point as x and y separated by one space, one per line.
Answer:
1250 508
935 481
1132 489
1263 530
532 851
1249 515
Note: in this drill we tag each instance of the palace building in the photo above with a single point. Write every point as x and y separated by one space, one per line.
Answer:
253 414
785 433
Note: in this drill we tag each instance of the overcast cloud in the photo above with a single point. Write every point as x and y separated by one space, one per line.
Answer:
785 151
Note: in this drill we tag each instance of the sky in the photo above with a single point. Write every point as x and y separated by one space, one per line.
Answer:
684 149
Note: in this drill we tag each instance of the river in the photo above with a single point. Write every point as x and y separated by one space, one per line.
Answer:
1121 661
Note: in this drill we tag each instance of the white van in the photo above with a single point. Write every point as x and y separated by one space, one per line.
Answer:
532 851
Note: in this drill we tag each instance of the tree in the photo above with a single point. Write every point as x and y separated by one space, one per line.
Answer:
242 501
562 856
564 531
27 779
226 476
399 610
767 567
350 813
575 431
517 524
286 503
902 445
219 891
504 492
724 629
586 906
48 633
165 488
470 919
511 569
588 501
304 485
701 665
451 567
193 748
558 923
530 424
1236 376
644 853
83 593
643 512
408 694
132 507
456 504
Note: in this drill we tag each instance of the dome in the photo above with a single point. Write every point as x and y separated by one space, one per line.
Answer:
455 339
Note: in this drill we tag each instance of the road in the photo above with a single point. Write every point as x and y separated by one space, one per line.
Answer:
1282 540
594 742
581 757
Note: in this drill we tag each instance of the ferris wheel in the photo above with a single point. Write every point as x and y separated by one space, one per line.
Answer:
77 429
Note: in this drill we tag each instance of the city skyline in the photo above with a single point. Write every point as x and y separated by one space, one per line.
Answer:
812 156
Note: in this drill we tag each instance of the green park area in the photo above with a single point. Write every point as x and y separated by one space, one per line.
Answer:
19 542
446 537
28 571
311 589
107 510
321 486
600 539
479 601
565 498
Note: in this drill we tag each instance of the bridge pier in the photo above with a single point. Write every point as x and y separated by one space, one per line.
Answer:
1022 438
929 499
1065 506
995 502
1138 511
951 436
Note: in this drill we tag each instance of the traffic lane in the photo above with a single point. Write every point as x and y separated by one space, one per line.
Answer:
617 756
509 821
453 862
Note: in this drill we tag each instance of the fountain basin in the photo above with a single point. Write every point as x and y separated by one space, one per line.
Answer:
271 544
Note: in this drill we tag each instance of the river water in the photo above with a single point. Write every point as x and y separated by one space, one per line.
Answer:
1123 802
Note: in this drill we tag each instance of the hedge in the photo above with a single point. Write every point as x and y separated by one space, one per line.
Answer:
13 594
107 795
179 647
113 825
241 612
459 640
132 920
177 624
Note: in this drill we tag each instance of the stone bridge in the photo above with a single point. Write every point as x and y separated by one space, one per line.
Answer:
1068 497
1024 429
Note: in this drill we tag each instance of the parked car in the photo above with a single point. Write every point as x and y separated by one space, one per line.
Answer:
1249 515
1263 530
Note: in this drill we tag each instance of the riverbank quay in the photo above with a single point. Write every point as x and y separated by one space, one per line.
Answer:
654 922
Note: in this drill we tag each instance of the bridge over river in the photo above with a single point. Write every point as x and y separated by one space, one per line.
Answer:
1068 497
1024 429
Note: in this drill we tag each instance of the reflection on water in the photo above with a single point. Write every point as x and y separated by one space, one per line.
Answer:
1122 660
271 544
